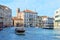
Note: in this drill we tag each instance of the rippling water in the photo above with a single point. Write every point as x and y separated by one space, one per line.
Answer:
30 34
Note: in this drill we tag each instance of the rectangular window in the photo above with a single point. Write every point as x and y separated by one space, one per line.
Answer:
57 20
57 16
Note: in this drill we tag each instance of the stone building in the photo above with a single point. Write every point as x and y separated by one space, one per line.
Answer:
47 22
5 16
29 18
57 18
39 21
44 21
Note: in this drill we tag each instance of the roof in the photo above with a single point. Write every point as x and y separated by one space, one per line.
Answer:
44 17
4 7
29 11
15 18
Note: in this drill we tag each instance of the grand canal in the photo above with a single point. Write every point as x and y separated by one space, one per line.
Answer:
30 34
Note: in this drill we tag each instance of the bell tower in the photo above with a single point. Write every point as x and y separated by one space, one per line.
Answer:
17 11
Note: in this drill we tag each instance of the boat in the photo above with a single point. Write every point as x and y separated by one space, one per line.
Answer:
20 30
47 28
36 27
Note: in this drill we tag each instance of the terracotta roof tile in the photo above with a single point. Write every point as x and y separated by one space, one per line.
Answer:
44 16
29 11
15 18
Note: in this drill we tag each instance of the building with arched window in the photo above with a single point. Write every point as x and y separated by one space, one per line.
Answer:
28 17
5 16
57 19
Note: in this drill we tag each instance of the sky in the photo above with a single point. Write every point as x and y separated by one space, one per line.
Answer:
42 7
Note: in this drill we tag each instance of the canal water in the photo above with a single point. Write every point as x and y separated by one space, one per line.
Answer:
30 34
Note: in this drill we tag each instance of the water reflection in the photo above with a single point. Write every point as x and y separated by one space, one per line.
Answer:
30 34
20 34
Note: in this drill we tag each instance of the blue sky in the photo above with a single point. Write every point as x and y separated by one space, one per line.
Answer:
43 7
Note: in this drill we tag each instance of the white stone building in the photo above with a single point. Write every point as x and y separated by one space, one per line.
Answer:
47 22
29 17
5 16
57 18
